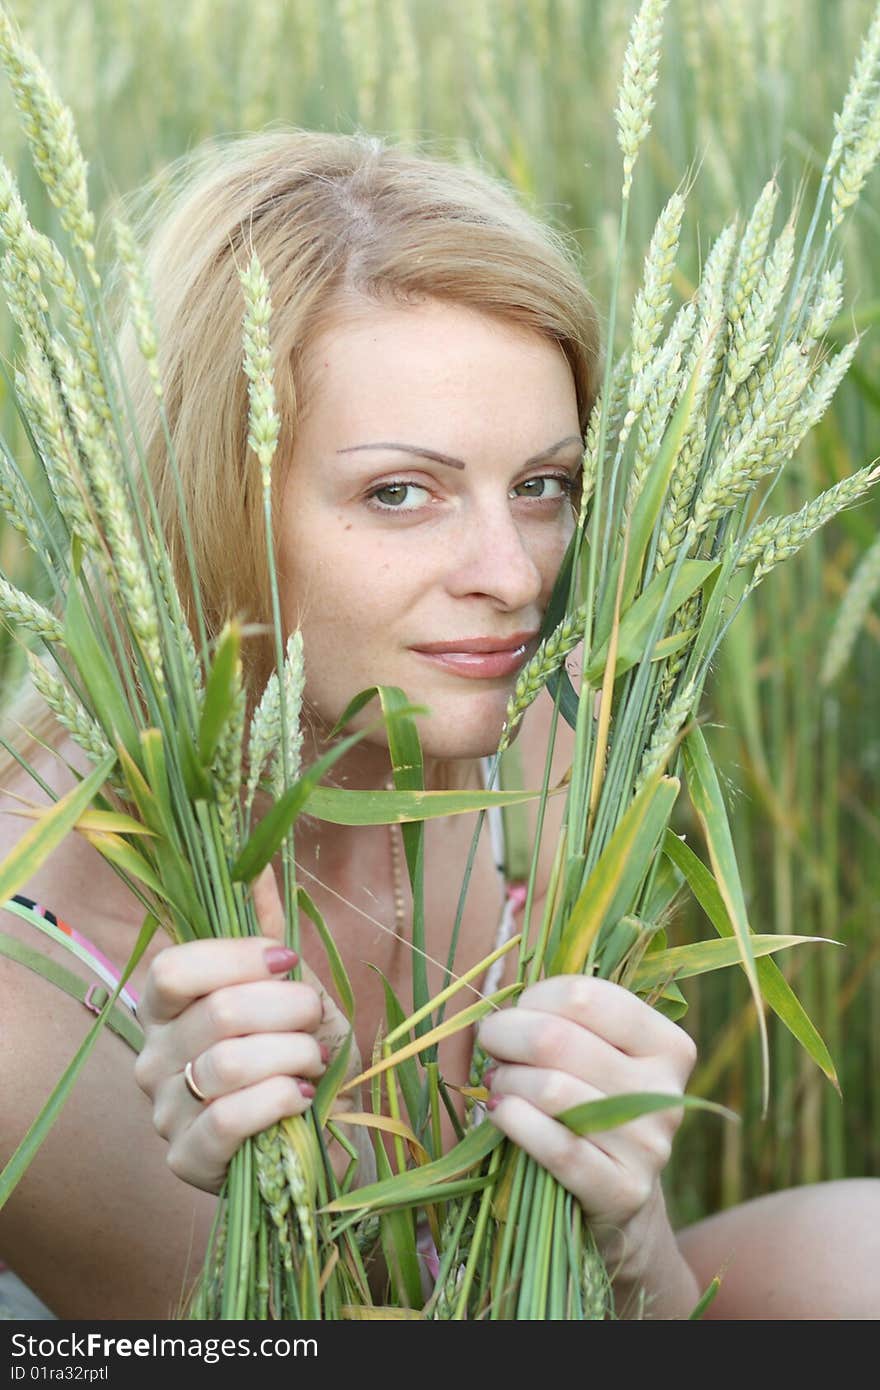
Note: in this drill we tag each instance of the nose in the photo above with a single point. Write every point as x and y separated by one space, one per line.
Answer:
492 558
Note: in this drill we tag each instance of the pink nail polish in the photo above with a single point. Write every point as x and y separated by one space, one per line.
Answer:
493 1101
488 1075
279 959
325 1053
307 1089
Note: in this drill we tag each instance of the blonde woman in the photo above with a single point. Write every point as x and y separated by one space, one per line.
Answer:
437 361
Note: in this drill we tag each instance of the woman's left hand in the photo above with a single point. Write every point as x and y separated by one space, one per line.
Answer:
574 1038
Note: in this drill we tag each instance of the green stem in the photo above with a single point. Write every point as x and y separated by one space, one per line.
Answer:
581 771
479 1236
291 902
501 1294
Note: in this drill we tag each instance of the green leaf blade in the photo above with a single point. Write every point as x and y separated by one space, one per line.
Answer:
596 1116
775 988
219 693
708 802
613 884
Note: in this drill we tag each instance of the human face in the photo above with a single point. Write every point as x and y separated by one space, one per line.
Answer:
384 551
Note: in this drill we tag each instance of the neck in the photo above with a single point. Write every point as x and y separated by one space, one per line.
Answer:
368 766
345 850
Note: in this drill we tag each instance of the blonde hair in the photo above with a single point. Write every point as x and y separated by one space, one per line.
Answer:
335 220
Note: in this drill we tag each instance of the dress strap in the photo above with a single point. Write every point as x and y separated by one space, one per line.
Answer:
94 996
513 891
73 941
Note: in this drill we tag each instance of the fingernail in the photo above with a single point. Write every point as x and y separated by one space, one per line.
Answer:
307 1089
488 1075
493 1101
279 959
325 1053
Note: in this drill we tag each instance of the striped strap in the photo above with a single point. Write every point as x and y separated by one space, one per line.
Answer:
73 941
94 997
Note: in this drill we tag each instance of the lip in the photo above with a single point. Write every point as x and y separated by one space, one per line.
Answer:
470 645
481 658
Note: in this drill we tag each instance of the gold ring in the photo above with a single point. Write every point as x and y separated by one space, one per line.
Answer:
191 1084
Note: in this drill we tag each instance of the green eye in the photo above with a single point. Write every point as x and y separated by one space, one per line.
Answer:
392 497
541 488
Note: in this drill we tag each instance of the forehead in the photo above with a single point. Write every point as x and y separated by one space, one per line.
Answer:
397 365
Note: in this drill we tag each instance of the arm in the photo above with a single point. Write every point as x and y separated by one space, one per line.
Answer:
99 1226
808 1252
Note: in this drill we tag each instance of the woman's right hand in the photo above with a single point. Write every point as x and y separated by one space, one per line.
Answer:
257 1042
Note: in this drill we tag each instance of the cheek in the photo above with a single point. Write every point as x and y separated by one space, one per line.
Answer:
340 591
551 547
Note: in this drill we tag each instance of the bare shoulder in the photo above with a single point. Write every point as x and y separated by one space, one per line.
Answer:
74 882
20 791
98 1226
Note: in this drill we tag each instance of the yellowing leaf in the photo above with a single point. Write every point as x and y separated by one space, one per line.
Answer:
447 1029
611 888
53 825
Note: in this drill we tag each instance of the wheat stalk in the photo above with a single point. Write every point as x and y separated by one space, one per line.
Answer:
132 263
263 421
653 301
751 253
863 588
763 446
826 302
751 330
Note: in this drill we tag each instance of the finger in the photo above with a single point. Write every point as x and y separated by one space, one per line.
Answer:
551 1091
268 905
552 1041
647 1139
235 1063
261 1009
334 1028
182 974
599 1182
613 1013
202 1153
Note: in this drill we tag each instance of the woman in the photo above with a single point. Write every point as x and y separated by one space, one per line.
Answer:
437 363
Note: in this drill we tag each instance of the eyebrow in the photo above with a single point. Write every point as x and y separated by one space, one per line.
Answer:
457 463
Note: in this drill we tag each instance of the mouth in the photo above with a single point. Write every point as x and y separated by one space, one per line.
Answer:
481 658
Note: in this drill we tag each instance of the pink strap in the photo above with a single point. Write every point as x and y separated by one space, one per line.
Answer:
87 945
517 894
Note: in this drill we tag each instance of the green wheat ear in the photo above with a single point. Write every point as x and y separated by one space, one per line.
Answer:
782 536
84 730
49 128
535 674
20 610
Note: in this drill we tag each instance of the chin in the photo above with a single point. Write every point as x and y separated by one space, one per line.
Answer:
444 736
454 729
